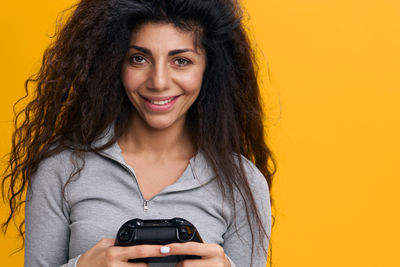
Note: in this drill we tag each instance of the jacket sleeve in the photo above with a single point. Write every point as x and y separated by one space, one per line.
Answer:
47 217
237 239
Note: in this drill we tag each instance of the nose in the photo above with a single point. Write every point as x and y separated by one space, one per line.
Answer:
159 77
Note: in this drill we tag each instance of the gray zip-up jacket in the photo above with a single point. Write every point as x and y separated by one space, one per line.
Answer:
59 228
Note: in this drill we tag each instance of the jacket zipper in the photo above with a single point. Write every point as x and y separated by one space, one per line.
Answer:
145 205
145 201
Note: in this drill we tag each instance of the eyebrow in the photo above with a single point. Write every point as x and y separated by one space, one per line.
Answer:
170 53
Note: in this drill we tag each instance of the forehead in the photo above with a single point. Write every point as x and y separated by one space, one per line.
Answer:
162 35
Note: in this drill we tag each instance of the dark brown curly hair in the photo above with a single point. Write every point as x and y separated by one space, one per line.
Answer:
78 94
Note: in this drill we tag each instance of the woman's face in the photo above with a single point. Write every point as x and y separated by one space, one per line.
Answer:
162 73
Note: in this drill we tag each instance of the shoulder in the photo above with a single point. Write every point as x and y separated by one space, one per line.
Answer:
255 178
52 171
56 160
204 172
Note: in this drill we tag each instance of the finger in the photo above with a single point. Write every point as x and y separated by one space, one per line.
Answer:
194 248
193 263
204 262
129 264
106 242
135 252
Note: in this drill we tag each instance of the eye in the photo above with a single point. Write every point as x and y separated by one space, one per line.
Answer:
182 61
137 59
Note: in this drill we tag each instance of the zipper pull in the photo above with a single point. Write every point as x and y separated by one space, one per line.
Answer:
145 205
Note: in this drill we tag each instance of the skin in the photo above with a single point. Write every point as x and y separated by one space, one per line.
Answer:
162 64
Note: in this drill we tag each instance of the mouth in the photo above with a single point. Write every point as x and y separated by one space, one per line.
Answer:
160 104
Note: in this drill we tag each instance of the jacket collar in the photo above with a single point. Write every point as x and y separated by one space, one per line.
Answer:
198 172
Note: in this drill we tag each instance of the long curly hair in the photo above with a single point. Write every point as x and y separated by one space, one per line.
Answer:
78 94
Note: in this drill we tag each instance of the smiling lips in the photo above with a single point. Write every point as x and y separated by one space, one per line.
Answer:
160 104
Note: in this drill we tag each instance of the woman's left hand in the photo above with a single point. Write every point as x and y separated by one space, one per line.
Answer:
212 255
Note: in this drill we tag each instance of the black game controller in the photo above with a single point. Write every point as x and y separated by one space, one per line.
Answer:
158 232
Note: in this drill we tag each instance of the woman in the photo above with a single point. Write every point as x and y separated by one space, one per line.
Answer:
144 109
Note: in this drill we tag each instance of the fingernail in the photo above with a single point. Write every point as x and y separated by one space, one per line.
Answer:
164 250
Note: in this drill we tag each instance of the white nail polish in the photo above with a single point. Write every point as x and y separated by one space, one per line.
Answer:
164 250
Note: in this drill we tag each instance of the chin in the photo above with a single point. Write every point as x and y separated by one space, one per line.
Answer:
159 124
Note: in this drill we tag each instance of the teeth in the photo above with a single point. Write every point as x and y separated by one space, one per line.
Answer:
161 102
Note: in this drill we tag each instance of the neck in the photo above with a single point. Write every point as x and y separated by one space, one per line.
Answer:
140 138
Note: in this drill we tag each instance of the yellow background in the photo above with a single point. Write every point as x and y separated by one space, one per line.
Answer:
332 96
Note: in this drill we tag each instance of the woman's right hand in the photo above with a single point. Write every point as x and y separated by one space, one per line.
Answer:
105 254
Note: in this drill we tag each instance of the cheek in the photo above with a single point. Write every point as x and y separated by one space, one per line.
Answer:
131 79
191 82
